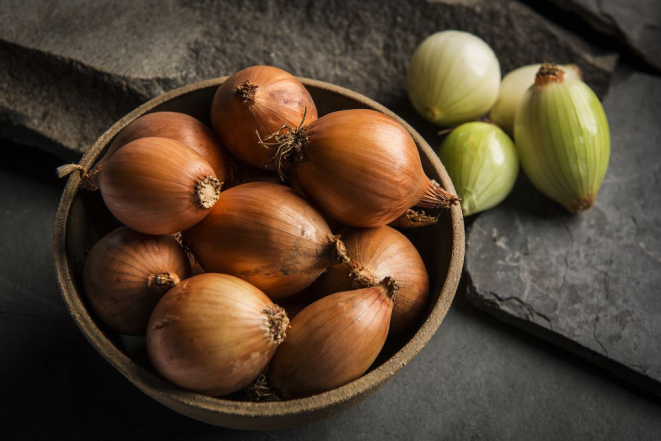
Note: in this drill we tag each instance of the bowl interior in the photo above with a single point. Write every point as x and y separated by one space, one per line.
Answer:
86 219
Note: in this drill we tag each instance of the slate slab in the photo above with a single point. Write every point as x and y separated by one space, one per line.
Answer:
478 379
589 282
70 69
637 22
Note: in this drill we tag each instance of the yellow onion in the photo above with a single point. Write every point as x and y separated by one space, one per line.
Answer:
214 334
482 162
259 99
126 273
359 166
453 77
267 235
377 253
158 186
333 341
562 138
512 88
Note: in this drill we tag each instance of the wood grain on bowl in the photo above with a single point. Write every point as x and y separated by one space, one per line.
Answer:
82 220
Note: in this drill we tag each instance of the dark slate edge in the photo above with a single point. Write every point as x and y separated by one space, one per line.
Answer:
90 89
79 88
606 26
487 305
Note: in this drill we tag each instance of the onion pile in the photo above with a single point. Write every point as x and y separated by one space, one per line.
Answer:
197 270
560 129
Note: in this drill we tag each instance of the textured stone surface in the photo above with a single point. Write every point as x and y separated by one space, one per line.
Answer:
590 281
477 379
68 70
637 23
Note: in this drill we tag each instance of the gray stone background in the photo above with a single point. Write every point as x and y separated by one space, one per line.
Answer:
589 284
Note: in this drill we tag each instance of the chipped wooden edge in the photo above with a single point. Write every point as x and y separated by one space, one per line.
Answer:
246 415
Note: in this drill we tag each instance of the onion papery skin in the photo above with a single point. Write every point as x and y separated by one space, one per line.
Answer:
514 86
179 127
483 164
563 139
279 98
214 334
453 77
158 186
332 342
362 168
126 273
265 234
377 253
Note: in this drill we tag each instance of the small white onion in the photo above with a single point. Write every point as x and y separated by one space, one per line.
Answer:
512 88
453 77
483 164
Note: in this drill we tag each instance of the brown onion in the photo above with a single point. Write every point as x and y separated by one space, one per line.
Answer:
267 235
126 273
214 334
177 126
333 341
376 253
259 99
158 186
360 166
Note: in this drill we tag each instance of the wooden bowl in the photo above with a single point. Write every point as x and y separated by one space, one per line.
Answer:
82 219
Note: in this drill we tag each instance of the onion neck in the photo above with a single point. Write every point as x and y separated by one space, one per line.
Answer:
361 275
389 287
414 219
162 280
276 323
246 92
88 179
434 196
549 73
339 253
208 191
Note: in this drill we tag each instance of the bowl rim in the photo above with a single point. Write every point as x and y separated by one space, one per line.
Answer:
154 385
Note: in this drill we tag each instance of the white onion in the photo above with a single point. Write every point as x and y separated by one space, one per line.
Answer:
453 77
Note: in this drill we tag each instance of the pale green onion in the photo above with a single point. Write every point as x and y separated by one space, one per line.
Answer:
453 77
512 88
563 139
482 163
